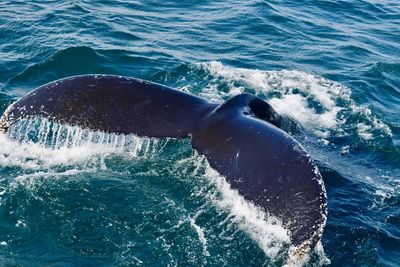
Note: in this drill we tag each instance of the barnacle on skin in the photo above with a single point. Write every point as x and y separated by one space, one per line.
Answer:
3 127
7 119
4 119
298 255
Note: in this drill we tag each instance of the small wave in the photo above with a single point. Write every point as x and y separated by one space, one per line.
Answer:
385 76
385 67
80 59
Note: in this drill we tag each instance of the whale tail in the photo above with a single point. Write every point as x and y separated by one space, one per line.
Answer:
240 138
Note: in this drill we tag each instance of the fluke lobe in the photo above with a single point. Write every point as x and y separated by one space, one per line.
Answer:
240 138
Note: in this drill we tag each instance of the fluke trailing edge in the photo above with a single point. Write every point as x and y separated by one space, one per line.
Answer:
240 138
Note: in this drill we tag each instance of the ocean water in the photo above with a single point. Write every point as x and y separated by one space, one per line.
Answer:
97 199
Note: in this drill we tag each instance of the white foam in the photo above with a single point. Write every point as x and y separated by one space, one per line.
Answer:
320 105
267 231
364 131
201 235
385 191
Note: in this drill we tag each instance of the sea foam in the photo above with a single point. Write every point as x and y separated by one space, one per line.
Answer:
321 106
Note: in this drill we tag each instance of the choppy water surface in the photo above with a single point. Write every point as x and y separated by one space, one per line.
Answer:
70 197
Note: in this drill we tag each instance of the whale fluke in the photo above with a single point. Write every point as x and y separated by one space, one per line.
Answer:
241 139
109 103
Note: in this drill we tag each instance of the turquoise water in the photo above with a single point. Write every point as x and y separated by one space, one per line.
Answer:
334 66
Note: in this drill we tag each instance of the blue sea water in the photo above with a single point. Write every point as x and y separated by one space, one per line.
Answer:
332 65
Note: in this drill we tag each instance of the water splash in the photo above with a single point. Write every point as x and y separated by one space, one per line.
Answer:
263 228
50 134
321 106
43 143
